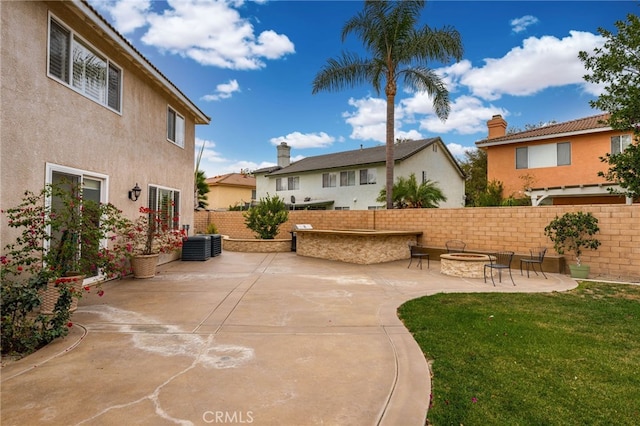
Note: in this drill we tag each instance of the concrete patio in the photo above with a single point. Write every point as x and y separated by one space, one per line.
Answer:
243 338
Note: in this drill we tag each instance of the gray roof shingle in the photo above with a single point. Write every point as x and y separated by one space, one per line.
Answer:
357 157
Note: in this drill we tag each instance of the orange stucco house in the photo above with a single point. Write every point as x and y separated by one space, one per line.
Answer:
556 164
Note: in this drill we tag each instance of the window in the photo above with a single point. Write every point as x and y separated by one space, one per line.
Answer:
424 176
329 180
341 208
81 67
167 203
620 143
288 184
175 127
367 176
547 155
348 178
293 183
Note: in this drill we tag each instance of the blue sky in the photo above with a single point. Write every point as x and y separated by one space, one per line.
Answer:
249 65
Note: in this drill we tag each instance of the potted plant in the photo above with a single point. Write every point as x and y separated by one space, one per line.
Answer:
62 239
145 238
573 232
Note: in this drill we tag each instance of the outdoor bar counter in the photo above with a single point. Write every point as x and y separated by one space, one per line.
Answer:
362 246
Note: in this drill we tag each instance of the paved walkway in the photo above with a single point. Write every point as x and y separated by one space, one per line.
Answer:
243 338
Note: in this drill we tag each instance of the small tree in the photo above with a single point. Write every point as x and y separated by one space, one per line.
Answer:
617 64
265 218
573 232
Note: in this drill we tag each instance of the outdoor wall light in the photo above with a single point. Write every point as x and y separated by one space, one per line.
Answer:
134 194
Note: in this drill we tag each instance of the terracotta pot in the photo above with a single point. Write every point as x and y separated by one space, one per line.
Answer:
144 265
51 294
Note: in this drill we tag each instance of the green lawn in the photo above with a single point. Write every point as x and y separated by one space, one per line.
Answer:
569 358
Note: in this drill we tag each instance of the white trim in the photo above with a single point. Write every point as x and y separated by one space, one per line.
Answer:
104 195
175 127
75 36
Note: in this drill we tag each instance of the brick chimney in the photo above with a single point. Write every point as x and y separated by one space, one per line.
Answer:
284 155
497 127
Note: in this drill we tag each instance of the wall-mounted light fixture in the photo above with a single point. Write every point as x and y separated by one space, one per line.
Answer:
134 194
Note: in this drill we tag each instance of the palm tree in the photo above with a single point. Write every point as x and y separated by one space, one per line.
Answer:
408 194
397 50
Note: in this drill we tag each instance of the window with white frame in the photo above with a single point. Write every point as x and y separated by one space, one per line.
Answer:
175 127
329 180
546 155
77 64
620 143
368 176
166 203
288 183
424 176
348 178
341 208
293 183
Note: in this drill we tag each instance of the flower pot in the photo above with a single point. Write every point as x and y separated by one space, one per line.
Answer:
51 294
579 271
144 265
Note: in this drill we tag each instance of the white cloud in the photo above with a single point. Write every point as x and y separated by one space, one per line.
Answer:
223 91
368 122
468 116
128 15
209 154
538 64
457 150
304 140
211 32
520 24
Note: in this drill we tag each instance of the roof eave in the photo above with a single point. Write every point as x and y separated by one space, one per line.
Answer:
100 23
487 142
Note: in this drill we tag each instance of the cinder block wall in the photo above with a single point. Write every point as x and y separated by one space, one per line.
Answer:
485 229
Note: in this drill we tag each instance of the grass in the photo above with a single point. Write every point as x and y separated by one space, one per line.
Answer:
570 358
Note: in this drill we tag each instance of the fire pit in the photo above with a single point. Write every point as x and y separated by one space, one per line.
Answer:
466 265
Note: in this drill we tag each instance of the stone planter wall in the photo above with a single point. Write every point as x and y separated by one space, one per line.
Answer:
248 245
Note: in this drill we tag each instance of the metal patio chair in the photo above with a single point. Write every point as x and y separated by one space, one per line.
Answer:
537 257
500 260
418 252
455 246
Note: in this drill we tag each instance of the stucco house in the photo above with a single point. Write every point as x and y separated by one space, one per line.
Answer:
352 180
79 101
556 164
231 189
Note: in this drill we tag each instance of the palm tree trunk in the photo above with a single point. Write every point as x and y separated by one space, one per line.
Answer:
390 145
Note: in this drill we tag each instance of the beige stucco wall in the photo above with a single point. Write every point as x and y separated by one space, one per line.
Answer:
221 197
43 121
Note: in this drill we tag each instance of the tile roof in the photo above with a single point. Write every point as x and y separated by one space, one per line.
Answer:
358 157
232 179
581 125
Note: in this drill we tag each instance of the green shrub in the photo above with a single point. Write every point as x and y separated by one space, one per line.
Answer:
211 229
265 218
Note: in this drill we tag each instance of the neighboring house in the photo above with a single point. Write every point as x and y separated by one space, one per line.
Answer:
556 164
232 189
79 101
352 180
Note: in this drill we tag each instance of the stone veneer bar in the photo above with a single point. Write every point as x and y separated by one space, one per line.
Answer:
362 246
